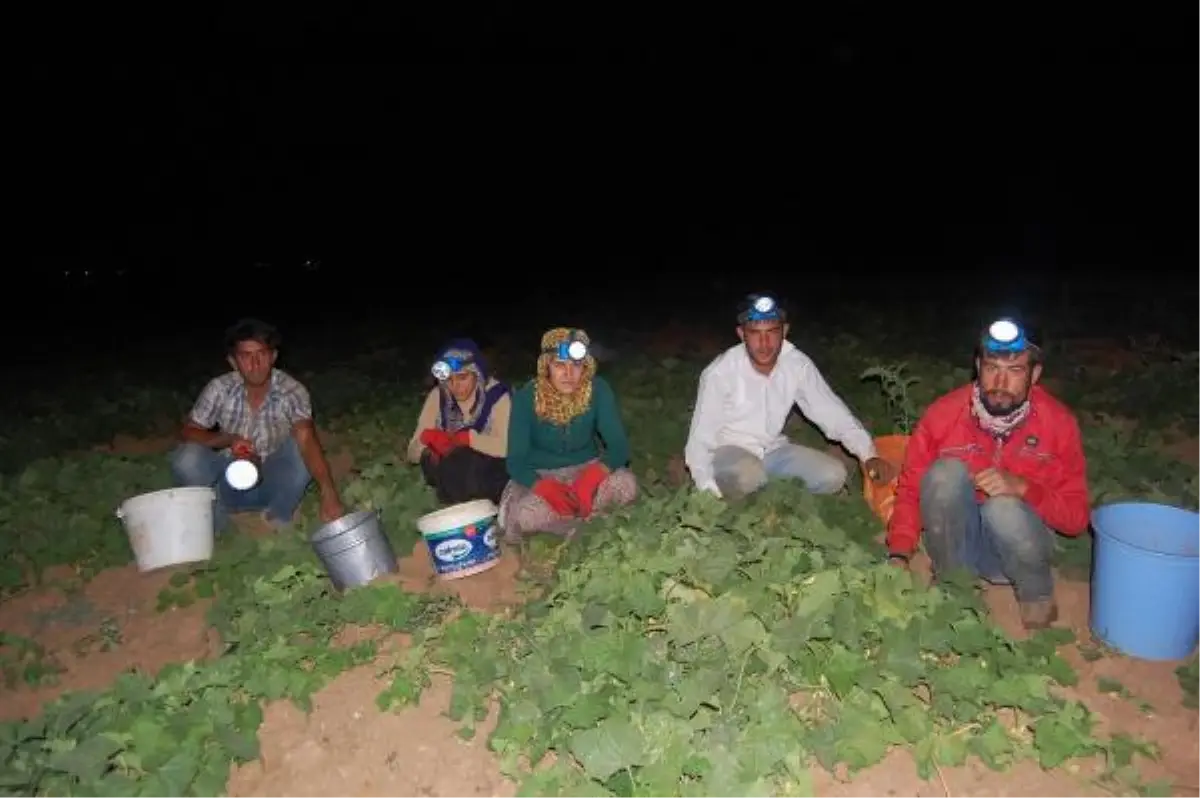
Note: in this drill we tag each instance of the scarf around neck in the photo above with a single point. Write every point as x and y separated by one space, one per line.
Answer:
452 417
998 426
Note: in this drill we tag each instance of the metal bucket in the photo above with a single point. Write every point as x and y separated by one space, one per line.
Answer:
354 549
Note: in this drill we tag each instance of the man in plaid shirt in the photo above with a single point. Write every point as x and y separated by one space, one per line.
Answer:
258 411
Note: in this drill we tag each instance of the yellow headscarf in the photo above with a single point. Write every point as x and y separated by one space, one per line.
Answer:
548 403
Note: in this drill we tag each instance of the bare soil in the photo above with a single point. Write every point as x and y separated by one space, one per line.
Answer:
348 747
74 624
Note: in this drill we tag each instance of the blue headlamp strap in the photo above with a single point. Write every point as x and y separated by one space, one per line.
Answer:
1005 336
571 349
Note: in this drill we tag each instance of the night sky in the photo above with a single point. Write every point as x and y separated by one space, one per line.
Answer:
516 149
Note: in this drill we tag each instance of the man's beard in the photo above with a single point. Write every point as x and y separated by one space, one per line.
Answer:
997 410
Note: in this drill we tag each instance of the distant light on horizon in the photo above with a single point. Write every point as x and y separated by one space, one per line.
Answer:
87 274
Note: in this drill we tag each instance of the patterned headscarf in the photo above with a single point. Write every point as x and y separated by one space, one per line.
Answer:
466 351
548 403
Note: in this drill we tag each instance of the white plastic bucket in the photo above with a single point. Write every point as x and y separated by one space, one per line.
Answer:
169 527
462 538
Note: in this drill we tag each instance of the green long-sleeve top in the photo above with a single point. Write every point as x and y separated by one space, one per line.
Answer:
535 444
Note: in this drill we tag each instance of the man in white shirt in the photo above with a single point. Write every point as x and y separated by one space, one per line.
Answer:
736 442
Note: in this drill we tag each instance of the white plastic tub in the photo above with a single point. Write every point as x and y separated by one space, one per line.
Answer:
461 538
169 527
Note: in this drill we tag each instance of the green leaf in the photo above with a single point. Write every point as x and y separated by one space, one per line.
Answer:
611 746
88 760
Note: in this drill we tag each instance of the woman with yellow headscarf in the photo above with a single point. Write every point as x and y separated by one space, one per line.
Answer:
558 472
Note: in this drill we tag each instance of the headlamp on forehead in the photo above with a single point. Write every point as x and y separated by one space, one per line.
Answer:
447 366
762 308
1005 336
569 350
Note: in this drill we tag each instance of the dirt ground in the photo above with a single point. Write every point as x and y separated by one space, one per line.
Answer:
100 629
348 747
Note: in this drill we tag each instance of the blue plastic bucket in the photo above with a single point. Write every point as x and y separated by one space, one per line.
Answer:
461 538
1146 579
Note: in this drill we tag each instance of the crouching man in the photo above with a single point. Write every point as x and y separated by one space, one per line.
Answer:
992 470
255 411
736 443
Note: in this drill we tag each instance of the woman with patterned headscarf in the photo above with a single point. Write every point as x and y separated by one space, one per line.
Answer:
558 472
462 433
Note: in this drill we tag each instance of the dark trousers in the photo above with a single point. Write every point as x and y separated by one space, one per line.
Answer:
464 475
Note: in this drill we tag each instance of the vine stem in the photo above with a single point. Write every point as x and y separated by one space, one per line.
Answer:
737 691
942 779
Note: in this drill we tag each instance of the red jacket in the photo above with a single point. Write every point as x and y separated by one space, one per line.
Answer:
1046 449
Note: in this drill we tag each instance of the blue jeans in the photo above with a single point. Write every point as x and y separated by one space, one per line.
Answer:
283 481
1002 540
739 472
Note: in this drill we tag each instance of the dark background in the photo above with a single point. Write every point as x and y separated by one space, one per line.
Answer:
509 165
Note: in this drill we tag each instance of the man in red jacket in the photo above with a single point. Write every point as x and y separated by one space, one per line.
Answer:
992 469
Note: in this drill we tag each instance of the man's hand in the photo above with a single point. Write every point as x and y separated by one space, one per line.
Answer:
880 471
995 482
305 434
898 560
241 447
331 507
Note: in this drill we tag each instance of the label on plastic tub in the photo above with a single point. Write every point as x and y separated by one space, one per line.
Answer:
464 547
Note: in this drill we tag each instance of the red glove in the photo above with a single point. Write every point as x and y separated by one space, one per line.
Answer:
241 448
558 495
461 438
586 483
438 441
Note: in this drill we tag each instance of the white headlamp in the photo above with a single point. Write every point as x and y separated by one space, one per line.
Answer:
1004 331
241 474
1005 336
448 365
570 350
761 308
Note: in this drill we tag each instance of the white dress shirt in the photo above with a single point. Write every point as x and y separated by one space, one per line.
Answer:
738 406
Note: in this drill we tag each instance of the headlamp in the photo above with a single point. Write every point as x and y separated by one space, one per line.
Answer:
1005 336
447 366
570 350
762 308
241 474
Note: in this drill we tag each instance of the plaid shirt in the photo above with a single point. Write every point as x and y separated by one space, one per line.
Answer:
223 403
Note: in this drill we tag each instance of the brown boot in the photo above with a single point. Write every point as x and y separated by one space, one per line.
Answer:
1038 614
